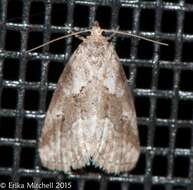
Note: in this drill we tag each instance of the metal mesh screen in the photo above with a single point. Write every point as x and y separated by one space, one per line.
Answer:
162 81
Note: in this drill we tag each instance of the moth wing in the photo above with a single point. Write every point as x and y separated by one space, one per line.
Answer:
118 147
58 145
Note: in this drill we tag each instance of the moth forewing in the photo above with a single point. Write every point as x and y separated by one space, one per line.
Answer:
91 116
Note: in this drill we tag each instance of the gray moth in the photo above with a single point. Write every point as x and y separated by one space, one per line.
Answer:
91 117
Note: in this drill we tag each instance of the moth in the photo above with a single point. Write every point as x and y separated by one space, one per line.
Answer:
91 117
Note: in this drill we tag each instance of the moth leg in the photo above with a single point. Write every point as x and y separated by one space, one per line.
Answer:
80 37
109 38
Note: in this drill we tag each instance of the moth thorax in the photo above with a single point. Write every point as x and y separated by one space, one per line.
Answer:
96 34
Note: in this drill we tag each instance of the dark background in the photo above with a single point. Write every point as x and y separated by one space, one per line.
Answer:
161 81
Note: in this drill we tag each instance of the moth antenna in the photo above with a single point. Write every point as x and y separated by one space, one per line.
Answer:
57 39
136 36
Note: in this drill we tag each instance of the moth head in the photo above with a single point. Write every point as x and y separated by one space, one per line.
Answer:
96 29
